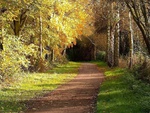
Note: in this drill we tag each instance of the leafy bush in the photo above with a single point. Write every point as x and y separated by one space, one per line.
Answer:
142 71
14 56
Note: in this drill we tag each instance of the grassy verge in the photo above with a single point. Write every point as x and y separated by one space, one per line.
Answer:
121 93
33 85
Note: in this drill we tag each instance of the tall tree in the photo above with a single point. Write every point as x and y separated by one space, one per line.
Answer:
113 40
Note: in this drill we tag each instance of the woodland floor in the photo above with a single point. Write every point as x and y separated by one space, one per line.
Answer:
77 96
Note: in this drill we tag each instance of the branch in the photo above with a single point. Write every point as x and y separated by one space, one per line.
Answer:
91 41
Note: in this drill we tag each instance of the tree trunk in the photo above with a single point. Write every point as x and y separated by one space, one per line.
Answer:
112 47
53 55
2 35
94 52
18 25
112 36
117 40
16 28
131 42
40 39
108 40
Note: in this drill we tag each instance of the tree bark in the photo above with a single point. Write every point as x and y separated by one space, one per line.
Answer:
117 40
112 36
53 55
131 42
112 50
16 28
109 37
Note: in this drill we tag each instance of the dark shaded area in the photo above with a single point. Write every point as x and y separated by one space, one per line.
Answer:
1 46
3 9
82 51
124 43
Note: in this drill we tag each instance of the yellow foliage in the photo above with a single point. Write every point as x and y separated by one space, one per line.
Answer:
62 22
14 55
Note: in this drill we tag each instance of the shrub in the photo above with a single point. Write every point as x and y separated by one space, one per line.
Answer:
14 56
142 71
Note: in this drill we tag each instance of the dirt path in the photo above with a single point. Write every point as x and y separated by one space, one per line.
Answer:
76 96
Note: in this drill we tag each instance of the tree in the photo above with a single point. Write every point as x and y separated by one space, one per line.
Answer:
117 37
113 40
50 25
140 12
131 42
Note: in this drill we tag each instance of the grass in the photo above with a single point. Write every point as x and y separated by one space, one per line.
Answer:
116 94
34 85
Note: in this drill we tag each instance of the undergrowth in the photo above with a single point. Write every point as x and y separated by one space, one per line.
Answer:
121 92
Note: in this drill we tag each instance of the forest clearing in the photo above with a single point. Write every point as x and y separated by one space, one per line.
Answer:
74 56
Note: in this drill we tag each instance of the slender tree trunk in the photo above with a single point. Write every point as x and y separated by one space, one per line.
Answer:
40 39
117 40
16 29
94 52
131 42
112 47
53 55
112 36
64 51
109 37
2 35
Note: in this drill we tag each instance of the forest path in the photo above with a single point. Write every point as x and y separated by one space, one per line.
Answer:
77 96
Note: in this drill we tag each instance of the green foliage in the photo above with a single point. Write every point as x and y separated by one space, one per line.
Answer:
140 89
14 56
34 85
